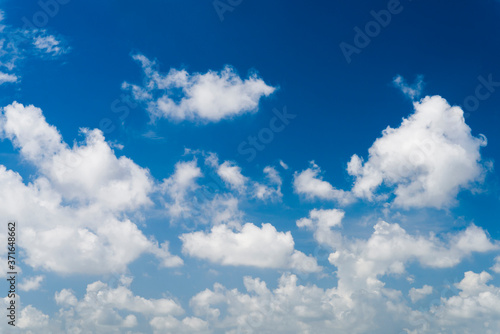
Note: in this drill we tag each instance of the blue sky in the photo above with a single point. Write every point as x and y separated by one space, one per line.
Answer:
160 187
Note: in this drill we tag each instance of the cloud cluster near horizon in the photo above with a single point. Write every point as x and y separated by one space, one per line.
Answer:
76 186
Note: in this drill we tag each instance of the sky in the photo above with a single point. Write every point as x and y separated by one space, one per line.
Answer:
236 166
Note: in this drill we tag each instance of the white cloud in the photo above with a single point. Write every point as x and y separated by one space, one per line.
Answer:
73 212
31 283
427 160
208 97
417 294
290 307
262 247
310 184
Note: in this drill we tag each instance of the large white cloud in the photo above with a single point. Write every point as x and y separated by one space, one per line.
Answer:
427 160
72 213
262 247
209 97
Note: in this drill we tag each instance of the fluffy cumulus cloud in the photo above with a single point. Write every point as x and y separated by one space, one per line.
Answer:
310 184
207 97
426 161
72 212
262 247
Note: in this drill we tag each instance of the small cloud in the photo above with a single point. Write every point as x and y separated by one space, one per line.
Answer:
412 91
284 165
31 283
417 294
5 77
49 44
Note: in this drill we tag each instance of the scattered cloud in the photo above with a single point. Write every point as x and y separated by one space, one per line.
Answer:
17 44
